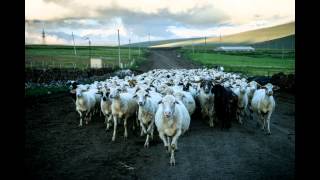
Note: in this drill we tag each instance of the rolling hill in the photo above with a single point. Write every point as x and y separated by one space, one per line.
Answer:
243 38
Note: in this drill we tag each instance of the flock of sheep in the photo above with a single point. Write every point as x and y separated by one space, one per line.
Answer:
167 99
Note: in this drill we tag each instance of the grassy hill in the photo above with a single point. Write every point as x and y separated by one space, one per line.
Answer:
287 42
248 37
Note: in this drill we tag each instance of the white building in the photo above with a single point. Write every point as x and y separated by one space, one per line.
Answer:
95 63
235 48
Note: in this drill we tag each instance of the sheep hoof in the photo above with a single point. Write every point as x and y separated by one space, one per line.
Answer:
113 139
268 133
80 125
146 145
172 162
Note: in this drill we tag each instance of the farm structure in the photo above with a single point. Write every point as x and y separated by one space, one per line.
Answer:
235 48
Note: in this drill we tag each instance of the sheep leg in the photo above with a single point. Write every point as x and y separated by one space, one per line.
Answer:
133 125
146 144
125 128
109 122
86 117
268 123
175 139
239 116
211 121
137 121
251 113
161 135
263 120
151 129
143 129
114 128
172 159
169 144
81 118
106 119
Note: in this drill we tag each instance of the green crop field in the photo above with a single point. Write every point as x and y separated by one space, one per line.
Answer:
53 56
261 62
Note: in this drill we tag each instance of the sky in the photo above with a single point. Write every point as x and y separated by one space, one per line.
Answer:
162 19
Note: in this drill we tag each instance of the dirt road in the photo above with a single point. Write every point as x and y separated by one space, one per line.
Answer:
167 59
56 148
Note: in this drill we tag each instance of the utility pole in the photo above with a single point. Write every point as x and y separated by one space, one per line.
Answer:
129 50
87 38
74 46
90 48
205 44
119 48
282 52
192 48
43 37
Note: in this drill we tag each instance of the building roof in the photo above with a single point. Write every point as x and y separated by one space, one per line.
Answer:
235 47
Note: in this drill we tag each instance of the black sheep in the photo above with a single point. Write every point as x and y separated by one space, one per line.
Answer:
225 103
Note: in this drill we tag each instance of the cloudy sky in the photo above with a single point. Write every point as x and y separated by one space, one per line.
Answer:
163 19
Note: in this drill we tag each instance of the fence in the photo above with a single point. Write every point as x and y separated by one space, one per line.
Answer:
45 64
56 74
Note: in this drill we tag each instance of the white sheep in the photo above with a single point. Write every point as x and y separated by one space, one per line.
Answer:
172 120
85 103
148 104
187 99
263 104
242 94
105 105
123 107
206 99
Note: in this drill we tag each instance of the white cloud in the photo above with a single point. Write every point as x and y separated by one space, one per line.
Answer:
237 11
99 19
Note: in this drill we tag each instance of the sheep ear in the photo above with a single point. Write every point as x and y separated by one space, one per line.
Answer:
259 86
177 102
135 96
275 88
160 102
138 88
99 92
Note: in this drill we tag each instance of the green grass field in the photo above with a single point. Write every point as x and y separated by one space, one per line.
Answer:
255 63
39 56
